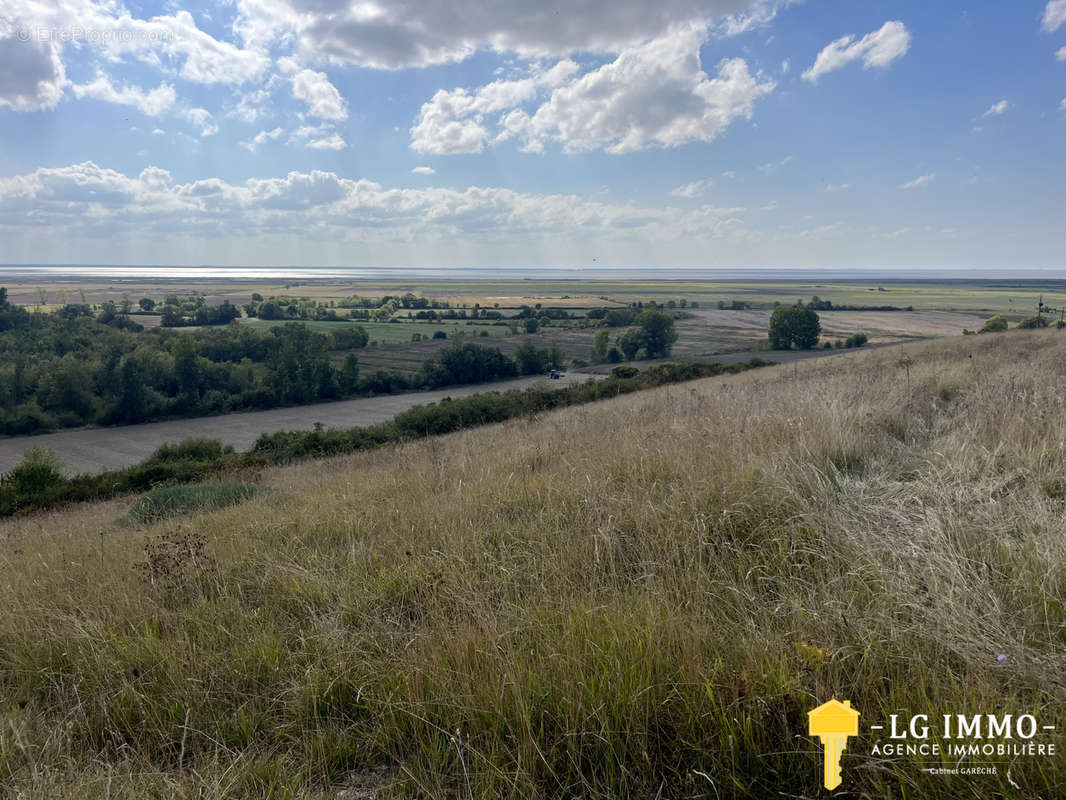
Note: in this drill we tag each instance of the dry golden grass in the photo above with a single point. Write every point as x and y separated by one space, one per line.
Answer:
641 597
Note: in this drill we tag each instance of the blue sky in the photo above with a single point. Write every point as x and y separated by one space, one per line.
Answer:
713 133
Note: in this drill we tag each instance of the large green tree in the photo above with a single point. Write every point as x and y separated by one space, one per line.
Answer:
630 343
794 326
659 332
599 347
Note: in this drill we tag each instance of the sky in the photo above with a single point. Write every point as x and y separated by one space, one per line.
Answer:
562 133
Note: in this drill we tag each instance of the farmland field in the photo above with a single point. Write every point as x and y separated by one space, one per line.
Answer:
1015 297
941 307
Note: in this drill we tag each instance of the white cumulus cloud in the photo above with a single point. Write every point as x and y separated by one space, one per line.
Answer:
322 98
453 121
878 49
655 94
424 171
1054 15
153 103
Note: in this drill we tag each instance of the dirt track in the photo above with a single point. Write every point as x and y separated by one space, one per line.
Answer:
96 449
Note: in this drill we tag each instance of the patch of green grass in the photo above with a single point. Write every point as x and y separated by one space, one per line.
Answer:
174 501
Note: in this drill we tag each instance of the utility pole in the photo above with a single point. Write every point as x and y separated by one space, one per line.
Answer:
1040 308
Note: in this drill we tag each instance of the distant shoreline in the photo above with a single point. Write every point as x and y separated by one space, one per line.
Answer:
168 273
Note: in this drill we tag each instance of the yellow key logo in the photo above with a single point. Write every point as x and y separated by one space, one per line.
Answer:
833 722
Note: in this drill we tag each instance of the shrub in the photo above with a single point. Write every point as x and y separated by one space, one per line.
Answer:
624 371
856 340
38 476
994 324
190 450
1033 322
173 501
40 469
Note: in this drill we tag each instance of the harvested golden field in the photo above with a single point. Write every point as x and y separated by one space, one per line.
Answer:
638 598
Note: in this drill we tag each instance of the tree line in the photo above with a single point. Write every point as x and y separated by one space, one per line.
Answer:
71 368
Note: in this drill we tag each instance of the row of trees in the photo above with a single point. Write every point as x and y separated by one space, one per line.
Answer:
71 368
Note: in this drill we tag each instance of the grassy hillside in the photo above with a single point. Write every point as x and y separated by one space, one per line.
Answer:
637 598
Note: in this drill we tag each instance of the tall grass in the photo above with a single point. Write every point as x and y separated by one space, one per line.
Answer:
174 501
636 598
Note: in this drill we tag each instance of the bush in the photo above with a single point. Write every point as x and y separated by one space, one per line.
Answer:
856 340
1033 322
190 450
624 371
40 469
173 501
38 476
994 324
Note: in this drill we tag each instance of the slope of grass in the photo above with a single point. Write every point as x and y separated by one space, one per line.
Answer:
637 598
